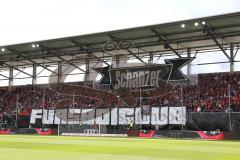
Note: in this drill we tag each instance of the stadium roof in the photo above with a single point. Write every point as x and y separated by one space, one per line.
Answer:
176 38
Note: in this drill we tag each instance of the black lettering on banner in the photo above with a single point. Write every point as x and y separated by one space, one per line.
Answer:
139 76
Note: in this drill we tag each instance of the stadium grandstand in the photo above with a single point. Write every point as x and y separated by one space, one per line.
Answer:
123 81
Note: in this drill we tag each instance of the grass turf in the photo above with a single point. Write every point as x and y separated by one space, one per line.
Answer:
23 147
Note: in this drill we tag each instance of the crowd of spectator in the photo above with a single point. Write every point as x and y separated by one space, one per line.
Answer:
211 94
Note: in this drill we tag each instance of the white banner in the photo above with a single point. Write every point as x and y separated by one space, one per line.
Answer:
177 115
114 116
160 116
48 116
103 116
74 116
126 115
87 116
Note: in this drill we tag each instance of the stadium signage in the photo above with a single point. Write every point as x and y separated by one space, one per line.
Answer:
151 75
138 77
113 116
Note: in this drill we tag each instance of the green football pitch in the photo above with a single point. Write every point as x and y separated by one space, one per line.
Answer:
23 147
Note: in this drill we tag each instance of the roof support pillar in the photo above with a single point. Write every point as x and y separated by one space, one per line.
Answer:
59 78
231 58
10 83
189 66
87 77
34 76
150 61
117 61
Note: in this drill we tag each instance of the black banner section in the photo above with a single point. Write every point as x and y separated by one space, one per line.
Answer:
176 73
105 73
23 121
215 120
142 76
139 76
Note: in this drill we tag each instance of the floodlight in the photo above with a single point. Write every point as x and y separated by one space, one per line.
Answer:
183 25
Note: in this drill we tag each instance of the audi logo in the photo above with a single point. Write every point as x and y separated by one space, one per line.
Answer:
91 131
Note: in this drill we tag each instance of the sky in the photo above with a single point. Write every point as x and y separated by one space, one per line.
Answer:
32 20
